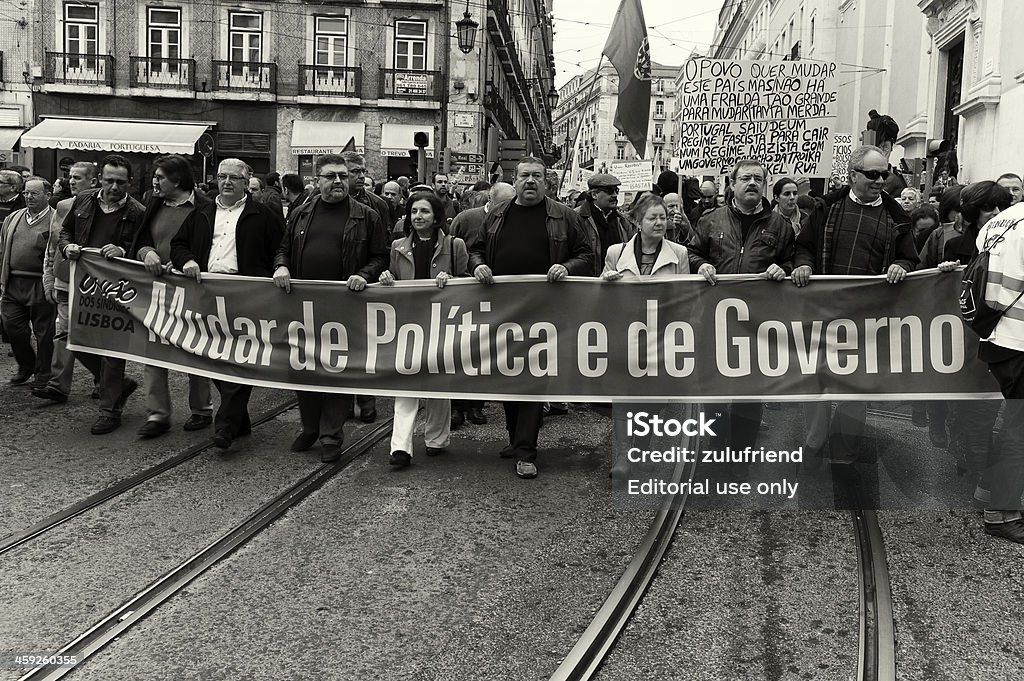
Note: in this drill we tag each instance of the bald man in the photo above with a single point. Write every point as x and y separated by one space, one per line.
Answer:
392 194
708 201
678 223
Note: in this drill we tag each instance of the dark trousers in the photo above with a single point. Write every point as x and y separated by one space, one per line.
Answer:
111 374
1008 465
324 413
232 415
366 403
26 313
523 421
466 405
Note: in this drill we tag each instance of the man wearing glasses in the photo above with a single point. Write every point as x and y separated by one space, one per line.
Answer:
235 234
855 230
602 223
24 307
107 219
331 237
743 237
11 185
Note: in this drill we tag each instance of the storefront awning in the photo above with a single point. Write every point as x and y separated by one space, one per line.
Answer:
140 137
316 138
8 138
396 139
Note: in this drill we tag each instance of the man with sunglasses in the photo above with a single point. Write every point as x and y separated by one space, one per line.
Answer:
856 230
602 222
107 219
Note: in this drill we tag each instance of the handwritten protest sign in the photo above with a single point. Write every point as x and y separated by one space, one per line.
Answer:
635 176
842 145
781 113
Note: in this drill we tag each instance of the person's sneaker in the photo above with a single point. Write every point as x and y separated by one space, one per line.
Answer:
21 377
937 433
526 469
152 429
434 451
128 386
106 424
197 422
477 416
222 439
458 418
1011 531
304 441
331 453
400 459
49 393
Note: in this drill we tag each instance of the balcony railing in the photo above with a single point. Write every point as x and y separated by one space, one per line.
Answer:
658 139
494 104
658 116
619 137
67 68
160 72
244 76
403 84
330 81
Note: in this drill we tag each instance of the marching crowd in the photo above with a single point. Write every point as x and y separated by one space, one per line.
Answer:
345 228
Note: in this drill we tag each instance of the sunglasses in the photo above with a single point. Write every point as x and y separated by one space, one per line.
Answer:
873 174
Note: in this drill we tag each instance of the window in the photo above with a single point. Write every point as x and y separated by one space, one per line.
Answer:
330 41
245 37
659 130
164 31
411 45
620 152
659 107
81 28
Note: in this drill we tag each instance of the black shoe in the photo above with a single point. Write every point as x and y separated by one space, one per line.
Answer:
507 452
368 416
21 377
222 439
937 434
331 453
919 418
128 386
304 441
106 424
557 409
458 418
153 429
400 459
434 451
1011 531
477 416
95 394
48 393
197 422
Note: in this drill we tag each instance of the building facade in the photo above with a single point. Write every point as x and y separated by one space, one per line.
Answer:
18 27
279 83
588 107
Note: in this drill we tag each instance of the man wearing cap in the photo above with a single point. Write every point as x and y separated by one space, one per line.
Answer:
602 223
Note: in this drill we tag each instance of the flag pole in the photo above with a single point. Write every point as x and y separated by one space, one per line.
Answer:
579 128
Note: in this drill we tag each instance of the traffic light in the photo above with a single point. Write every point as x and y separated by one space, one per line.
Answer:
420 141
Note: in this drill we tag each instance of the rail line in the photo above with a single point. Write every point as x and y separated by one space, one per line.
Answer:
159 591
16 539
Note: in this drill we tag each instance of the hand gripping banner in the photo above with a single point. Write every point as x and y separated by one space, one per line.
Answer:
844 338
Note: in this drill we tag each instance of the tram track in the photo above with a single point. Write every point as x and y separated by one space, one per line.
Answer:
16 539
159 591
876 653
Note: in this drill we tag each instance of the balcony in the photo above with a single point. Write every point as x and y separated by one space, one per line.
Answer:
658 115
244 76
330 81
494 104
658 139
64 68
410 85
166 74
619 137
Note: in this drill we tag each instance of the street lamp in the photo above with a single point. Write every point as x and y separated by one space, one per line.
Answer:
553 98
466 29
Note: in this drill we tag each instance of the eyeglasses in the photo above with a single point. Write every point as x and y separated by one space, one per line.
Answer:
873 174
356 170
32 195
232 178
748 178
331 177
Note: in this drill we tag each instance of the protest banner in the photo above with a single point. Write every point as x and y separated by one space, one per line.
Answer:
842 145
635 176
781 113
850 338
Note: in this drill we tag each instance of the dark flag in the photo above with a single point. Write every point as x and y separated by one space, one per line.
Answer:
351 146
628 50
